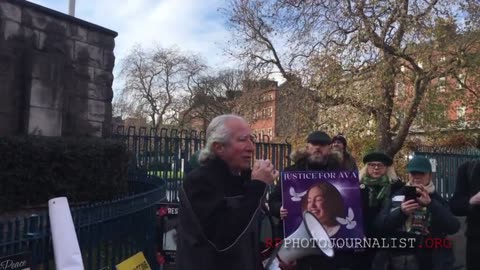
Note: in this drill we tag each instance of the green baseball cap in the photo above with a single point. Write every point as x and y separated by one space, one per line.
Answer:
419 164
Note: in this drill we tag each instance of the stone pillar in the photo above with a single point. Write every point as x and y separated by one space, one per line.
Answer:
55 72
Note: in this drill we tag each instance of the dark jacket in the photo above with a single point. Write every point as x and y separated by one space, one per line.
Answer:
390 222
468 184
218 217
349 162
370 213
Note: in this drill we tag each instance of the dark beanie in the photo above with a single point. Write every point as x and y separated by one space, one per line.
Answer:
340 138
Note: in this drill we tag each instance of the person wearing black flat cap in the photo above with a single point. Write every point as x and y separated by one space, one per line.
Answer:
377 181
317 156
339 146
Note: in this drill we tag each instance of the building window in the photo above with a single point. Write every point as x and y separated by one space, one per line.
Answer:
400 89
270 132
442 84
461 111
266 97
268 112
461 82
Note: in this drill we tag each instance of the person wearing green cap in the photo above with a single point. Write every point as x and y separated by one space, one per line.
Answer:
424 216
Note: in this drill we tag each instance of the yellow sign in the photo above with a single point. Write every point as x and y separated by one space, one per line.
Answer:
136 262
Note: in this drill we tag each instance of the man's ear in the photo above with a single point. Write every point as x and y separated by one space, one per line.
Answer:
218 148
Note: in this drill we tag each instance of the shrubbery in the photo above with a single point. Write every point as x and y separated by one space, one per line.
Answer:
35 169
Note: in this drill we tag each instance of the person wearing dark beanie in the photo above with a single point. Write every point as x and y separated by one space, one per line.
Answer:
339 146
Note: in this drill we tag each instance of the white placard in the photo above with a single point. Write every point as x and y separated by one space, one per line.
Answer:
65 244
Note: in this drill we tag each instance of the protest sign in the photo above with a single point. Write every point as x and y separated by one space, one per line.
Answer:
167 215
332 196
136 262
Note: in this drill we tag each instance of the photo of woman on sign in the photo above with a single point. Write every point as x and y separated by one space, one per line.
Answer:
324 201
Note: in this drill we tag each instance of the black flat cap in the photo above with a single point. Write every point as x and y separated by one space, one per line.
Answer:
319 137
378 156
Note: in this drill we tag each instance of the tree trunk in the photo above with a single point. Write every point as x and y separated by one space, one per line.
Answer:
384 114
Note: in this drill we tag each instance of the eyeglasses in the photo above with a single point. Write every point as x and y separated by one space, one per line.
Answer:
376 165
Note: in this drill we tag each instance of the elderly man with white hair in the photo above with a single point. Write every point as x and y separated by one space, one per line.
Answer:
220 201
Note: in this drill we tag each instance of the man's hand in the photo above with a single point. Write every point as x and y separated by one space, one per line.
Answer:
409 206
283 213
263 170
475 199
424 198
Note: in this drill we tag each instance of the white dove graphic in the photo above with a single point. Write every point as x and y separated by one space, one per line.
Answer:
348 220
296 197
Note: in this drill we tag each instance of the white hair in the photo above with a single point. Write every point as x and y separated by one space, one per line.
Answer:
217 132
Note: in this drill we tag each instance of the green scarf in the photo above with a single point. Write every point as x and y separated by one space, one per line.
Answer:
377 189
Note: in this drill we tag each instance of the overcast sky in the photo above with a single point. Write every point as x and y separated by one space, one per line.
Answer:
193 25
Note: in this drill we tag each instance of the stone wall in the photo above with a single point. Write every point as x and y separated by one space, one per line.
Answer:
55 73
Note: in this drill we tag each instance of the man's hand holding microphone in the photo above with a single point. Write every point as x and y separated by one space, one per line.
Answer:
264 171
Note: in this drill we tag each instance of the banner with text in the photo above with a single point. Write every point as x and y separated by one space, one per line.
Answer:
333 197
21 261
167 232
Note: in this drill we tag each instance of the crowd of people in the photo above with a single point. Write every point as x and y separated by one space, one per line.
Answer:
222 199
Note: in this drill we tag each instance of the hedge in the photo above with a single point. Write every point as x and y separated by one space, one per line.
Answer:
36 169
